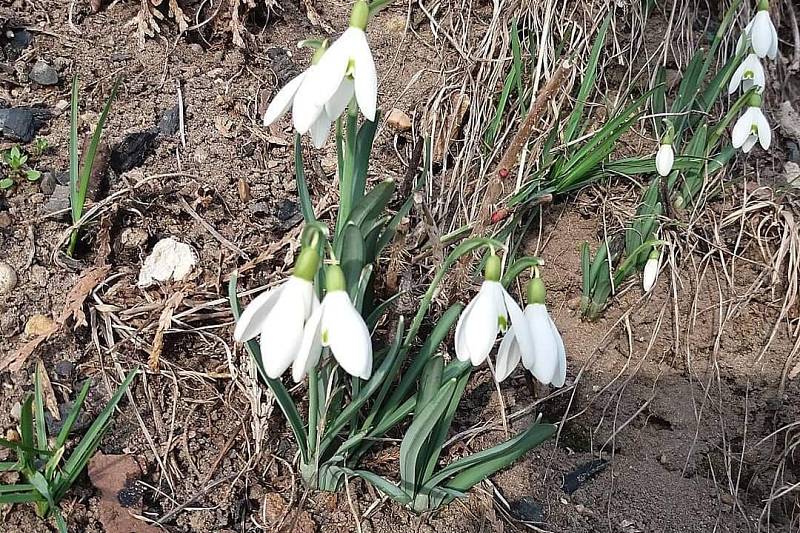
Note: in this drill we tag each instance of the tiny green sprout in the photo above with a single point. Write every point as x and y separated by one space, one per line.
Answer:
14 158
40 146
32 174
6 183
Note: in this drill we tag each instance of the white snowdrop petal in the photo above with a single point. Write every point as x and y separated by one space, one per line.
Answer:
348 336
560 375
741 130
764 131
650 274
772 53
311 345
320 129
508 356
761 34
366 77
480 326
331 69
340 100
282 335
251 319
524 339
283 100
665 158
736 78
749 143
545 347
462 350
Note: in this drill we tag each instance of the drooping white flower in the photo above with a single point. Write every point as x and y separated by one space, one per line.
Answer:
346 69
762 34
750 128
650 273
664 159
279 316
335 323
321 115
486 316
548 359
749 74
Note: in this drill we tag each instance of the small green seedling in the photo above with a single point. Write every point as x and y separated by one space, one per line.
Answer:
40 146
16 163
79 174
47 471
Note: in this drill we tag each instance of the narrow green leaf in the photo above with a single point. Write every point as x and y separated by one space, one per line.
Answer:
306 207
385 486
73 415
38 402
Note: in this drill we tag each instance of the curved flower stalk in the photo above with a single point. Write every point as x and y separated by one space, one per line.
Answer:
346 69
548 359
751 128
749 74
335 324
761 33
486 316
650 272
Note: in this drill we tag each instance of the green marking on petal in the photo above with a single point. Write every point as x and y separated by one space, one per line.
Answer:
502 322
324 337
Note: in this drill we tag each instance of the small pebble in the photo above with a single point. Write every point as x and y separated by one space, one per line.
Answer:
133 238
398 120
16 411
39 325
8 278
64 368
43 73
5 220
12 435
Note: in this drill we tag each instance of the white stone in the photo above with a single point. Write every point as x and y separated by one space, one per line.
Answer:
169 259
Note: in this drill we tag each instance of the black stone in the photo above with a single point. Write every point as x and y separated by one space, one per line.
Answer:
526 509
17 124
54 426
15 44
58 202
287 210
168 125
134 149
582 474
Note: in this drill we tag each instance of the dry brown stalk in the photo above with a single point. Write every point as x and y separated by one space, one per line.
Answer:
496 186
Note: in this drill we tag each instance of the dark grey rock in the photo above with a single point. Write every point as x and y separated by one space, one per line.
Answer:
134 149
287 210
282 64
58 201
793 151
583 473
259 208
17 124
16 41
168 125
64 369
43 73
527 509
48 183
54 426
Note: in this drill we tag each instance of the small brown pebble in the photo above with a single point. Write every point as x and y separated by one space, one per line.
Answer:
398 120
727 499
244 190
132 238
5 220
12 435
8 278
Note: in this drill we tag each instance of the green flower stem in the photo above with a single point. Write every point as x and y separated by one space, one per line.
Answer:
348 168
377 5
732 113
313 413
359 16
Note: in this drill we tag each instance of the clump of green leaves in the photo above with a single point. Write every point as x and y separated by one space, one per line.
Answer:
42 460
15 163
79 174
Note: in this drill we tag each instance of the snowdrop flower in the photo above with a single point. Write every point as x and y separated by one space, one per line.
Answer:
749 74
664 159
547 361
762 33
752 127
650 273
346 69
304 106
336 324
486 315
280 314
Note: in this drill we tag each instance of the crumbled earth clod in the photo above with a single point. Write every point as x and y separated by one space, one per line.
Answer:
38 325
398 120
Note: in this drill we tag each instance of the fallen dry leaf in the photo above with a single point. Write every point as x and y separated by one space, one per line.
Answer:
115 477
163 325
47 391
73 308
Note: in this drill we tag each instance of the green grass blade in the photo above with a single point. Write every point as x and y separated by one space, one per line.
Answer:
73 415
38 402
26 432
73 153
306 207
31 496
364 140
587 84
385 486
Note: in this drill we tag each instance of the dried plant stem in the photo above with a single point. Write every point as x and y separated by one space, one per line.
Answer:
498 178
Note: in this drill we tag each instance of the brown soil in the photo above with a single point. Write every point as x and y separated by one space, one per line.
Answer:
672 396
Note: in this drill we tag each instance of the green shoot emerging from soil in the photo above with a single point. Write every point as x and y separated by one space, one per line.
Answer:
41 461
16 168
79 174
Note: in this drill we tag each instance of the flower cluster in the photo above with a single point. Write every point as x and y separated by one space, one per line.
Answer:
320 94
294 326
760 40
530 336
